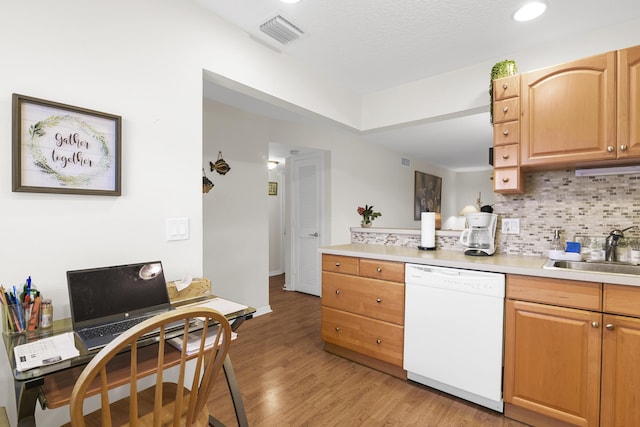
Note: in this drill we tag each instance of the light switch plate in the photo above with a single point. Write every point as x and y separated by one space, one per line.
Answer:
177 229
510 225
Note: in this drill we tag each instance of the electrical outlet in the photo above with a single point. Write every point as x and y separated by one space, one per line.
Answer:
510 225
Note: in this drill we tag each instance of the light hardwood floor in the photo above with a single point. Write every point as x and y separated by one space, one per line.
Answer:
287 379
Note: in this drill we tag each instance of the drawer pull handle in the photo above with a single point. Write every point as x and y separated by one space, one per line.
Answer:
378 341
378 300
379 269
337 329
505 133
623 147
610 149
337 291
505 179
595 324
505 85
610 327
505 156
505 109
337 264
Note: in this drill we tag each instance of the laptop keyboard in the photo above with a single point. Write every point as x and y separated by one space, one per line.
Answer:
111 328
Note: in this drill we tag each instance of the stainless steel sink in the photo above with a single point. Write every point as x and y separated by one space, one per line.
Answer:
598 267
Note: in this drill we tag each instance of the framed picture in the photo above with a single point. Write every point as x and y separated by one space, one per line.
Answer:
428 194
273 188
59 148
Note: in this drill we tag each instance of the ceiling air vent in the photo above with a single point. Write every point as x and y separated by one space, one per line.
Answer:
281 30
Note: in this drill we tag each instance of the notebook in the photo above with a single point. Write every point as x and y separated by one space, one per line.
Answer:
106 301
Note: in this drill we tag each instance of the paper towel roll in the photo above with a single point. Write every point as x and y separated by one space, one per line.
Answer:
428 230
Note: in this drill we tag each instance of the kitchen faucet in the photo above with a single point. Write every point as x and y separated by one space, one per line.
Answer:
611 243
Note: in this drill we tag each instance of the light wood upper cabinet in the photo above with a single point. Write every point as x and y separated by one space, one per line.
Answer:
569 112
629 103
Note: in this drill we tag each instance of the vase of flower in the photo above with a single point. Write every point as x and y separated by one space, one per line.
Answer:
368 215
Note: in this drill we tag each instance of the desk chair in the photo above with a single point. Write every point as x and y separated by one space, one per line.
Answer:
165 404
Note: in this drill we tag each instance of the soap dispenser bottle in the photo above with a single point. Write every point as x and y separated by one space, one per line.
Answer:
556 244
556 249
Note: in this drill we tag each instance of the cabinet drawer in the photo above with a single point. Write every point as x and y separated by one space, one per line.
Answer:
620 299
375 338
506 87
385 270
508 180
372 298
505 156
506 110
566 293
506 133
340 264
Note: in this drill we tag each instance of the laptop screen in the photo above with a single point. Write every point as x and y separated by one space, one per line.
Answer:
105 294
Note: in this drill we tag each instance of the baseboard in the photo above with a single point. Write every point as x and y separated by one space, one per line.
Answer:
262 310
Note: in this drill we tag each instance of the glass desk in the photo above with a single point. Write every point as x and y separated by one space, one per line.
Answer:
51 385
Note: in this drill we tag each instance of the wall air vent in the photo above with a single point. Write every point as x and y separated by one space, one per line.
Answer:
281 30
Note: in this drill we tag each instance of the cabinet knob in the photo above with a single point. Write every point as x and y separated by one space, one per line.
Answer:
379 269
337 291
337 264
378 300
505 85
610 327
505 179
505 156
337 329
505 132
623 147
610 149
595 324
505 109
378 341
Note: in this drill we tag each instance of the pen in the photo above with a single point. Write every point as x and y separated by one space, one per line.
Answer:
18 309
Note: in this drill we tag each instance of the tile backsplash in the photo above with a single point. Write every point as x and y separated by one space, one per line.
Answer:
578 206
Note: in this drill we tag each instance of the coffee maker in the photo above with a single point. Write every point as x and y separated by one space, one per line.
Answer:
479 237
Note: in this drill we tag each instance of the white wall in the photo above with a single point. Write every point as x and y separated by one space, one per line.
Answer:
276 222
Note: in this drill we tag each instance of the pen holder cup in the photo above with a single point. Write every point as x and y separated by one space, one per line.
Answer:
10 320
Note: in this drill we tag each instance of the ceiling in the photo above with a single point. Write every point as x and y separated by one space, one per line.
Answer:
371 45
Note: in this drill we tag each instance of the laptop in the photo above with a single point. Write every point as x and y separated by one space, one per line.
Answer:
107 301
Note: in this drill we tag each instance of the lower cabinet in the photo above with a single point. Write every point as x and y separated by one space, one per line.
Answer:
571 353
363 311
620 353
552 364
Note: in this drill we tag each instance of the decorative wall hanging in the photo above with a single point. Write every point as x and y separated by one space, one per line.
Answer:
207 185
273 188
220 165
428 191
58 148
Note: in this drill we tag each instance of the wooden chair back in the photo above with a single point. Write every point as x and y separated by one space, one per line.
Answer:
136 410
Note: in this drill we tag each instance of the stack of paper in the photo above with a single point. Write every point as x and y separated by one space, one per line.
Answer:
45 351
193 340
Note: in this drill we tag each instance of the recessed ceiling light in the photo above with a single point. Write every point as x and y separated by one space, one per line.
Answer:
530 11
290 1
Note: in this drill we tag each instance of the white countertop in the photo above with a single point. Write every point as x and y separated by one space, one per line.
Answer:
509 264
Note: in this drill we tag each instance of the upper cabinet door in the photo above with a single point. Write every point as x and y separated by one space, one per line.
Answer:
629 103
569 112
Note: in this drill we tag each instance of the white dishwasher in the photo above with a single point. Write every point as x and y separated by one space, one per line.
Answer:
453 332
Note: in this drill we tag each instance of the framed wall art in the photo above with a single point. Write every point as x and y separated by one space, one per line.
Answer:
60 148
273 188
428 194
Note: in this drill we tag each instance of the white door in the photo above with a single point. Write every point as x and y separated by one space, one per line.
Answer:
307 206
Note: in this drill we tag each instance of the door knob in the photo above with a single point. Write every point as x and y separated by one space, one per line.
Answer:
595 324
314 234
610 327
